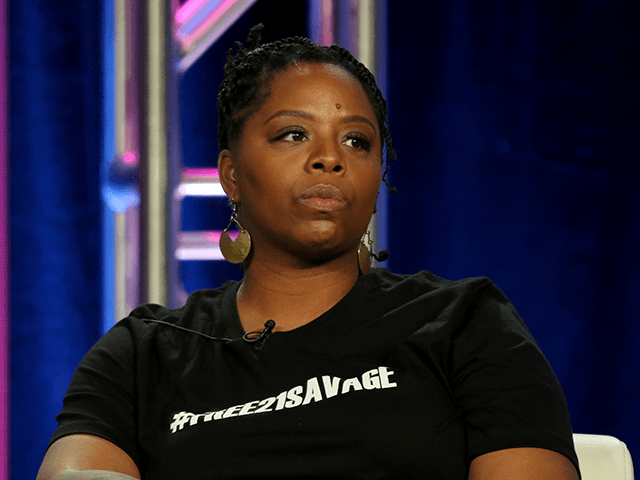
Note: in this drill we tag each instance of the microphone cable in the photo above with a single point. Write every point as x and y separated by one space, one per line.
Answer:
256 337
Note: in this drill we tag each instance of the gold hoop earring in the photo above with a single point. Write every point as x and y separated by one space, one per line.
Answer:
364 255
235 251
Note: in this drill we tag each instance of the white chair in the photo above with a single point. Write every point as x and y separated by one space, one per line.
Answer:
603 457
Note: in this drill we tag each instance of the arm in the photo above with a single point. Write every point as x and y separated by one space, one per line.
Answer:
522 464
97 423
511 399
86 457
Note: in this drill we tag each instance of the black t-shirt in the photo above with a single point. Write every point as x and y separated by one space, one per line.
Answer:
406 377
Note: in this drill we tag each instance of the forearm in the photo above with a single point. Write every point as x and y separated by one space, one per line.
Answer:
86 457
94 475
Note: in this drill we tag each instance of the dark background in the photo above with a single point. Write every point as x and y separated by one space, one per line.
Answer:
516 124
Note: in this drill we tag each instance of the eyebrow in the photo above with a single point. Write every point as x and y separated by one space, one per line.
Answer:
309 116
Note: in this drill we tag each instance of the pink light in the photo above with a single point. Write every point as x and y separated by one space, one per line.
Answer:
130 158
188 40
199 173
326 34
187 10
213 236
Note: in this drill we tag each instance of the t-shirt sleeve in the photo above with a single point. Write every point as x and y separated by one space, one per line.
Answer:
100 399
506 389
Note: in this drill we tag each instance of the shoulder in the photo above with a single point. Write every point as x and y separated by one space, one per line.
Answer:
425 305
457 297
461 315
200 312
425 281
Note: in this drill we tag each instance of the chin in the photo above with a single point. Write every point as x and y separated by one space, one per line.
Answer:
321 230
320 239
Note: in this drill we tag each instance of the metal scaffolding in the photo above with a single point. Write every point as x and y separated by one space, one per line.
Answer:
143 178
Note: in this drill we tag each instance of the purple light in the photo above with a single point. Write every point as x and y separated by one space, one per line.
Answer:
206 9
199 173
199 23
326 34
130 158
203 245
213 236
200 17
320 24
187 10
199 182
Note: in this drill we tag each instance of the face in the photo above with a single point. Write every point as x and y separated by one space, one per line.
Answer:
307 167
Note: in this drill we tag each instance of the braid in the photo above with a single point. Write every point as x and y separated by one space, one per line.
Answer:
248 73
255 36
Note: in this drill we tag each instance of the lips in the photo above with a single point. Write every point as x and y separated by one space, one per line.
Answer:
323 197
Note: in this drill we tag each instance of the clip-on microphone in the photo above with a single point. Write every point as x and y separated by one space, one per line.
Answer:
259 337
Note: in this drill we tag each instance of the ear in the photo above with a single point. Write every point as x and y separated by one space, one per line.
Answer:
227 174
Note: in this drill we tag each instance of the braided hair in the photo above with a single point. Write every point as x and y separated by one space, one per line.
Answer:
249 71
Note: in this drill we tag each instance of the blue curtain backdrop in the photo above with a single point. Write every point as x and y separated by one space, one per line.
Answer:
517 128
55 137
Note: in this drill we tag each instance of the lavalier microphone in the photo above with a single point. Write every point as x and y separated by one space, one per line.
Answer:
259 337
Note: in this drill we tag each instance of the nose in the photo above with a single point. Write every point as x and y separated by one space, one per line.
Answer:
327 158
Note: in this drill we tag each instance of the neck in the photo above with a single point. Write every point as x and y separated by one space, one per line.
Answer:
292 296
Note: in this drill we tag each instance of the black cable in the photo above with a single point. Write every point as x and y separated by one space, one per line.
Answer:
222 339
258 337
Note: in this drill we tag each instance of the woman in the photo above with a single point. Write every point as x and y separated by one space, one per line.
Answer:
364 375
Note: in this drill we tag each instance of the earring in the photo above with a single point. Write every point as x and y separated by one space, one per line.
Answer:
364 255
238 250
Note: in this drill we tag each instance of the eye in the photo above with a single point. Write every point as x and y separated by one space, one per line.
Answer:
358 141
292 135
